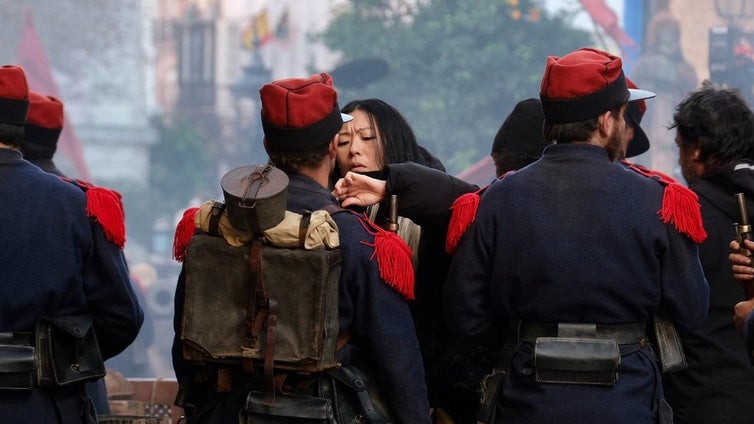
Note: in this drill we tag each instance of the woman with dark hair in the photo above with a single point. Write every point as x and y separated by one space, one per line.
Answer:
379 136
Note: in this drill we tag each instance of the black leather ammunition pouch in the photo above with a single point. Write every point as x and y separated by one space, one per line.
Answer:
341 395
16 362
668 342
357 399
287 409
571 360
67 351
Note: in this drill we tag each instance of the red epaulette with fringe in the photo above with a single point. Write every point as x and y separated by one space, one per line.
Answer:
393 258
183 233
106 207
680 205
463 213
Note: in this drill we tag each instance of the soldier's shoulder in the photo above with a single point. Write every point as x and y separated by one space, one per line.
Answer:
680 205
105 206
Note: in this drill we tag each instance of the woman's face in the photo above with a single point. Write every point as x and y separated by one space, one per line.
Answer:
359 145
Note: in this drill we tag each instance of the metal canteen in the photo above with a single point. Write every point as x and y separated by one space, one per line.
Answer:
255 197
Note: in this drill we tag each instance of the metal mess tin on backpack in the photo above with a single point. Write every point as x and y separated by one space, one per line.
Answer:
255 196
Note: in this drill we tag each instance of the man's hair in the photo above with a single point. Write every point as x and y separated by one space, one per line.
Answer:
295 161
37 151
574 131
718 121
12 135
510 161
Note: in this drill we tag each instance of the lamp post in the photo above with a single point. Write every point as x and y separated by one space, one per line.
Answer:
246 90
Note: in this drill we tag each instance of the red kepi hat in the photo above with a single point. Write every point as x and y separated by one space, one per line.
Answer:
14 95
299 114
584 84
44 123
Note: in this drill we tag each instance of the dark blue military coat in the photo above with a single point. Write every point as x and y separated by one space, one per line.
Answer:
382 334
376 316
57 261
574 238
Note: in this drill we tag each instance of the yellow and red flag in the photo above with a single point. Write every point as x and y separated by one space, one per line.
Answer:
257 33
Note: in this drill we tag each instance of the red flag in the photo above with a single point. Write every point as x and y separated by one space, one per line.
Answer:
605 17
32 57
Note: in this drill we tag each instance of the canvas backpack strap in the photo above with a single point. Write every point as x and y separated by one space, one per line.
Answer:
269 354
258 305
214 219
262 310
303 227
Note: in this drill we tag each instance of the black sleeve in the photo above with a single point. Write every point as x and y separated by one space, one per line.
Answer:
424 194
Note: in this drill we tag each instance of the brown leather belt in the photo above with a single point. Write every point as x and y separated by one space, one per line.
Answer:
622 333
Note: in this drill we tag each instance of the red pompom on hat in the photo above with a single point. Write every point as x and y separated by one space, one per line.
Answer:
45 121
14 95
584 84
299 114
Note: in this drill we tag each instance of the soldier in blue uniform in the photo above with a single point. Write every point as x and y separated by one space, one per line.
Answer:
301 119
61 256
568 259
44 124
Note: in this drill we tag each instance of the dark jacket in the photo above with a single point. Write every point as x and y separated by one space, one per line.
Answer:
57 261
573 238
748 331
382 335
717 386
425 196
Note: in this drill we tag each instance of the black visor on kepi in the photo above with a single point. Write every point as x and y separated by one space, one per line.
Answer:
640 143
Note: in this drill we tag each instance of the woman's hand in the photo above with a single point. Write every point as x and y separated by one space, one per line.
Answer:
359 190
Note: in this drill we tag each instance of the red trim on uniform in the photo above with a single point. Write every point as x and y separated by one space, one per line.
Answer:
82 184
393 258
105 206
463 213
680 205
183 233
